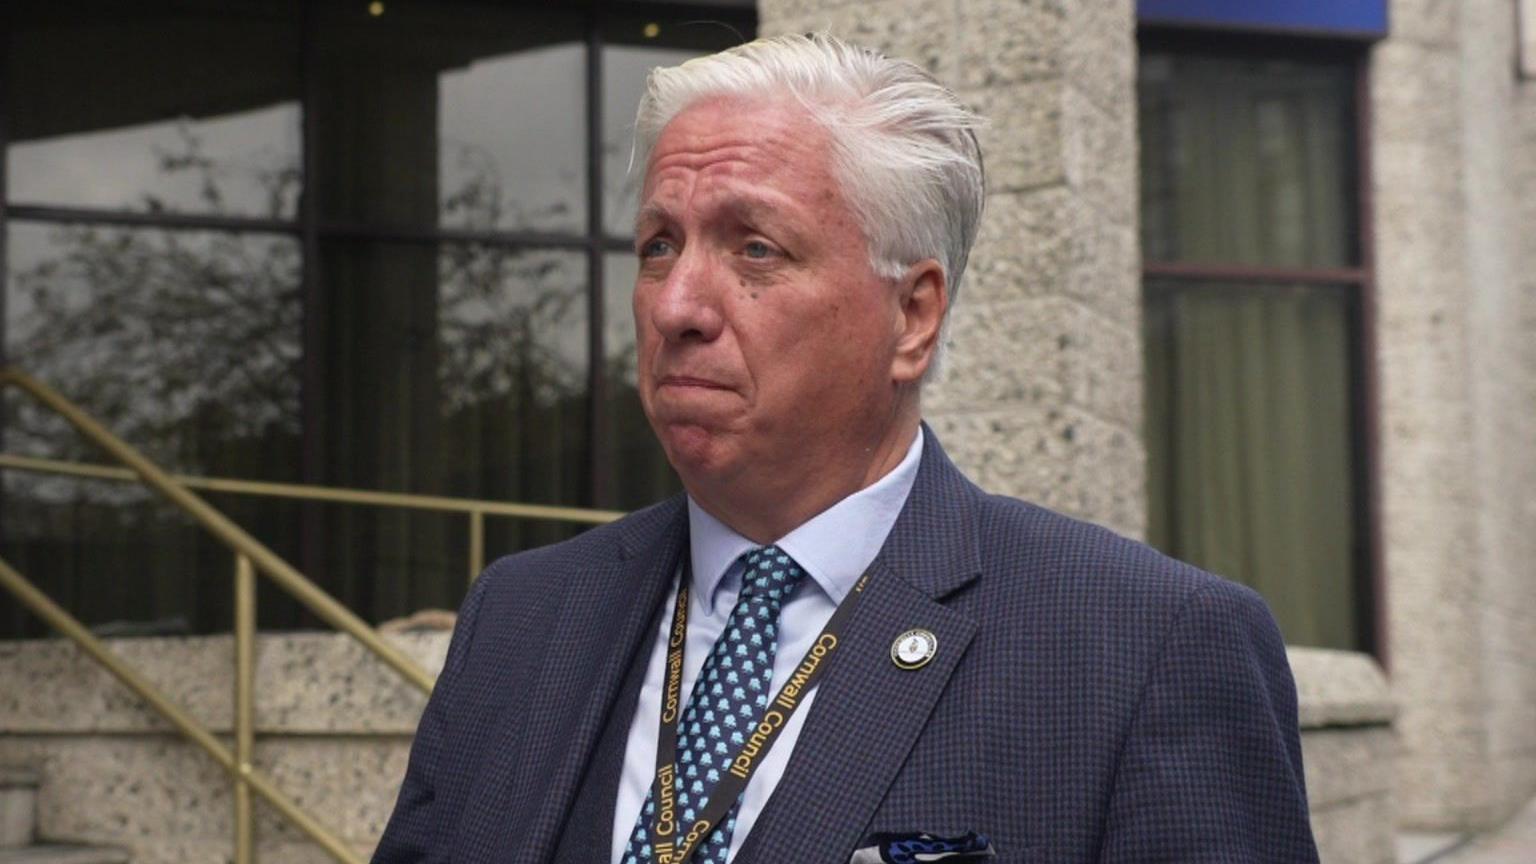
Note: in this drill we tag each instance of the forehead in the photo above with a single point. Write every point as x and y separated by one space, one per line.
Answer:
740 141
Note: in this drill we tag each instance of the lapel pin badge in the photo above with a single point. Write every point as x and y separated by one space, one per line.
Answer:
914 648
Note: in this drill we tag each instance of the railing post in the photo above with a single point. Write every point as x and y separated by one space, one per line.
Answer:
245 705
476 543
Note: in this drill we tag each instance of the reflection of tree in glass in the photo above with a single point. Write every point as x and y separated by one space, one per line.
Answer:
510 323
496 342
278 178
184 342
181 340
476 198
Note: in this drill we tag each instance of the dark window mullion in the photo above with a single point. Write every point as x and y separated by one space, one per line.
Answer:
597 379
129 219
1203 272
312 390
508 239
1372 573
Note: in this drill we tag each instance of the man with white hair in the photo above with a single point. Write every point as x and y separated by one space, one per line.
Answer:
835 647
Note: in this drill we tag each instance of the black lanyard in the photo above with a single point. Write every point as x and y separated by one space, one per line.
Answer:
666 847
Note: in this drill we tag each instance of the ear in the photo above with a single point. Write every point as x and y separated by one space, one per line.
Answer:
923 296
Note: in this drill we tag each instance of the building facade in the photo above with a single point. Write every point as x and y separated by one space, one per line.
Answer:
1256 283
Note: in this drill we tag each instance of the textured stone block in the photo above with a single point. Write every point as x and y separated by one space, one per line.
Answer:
168 803
1340 688
351 781
1105 269
1100 155
917 30
771 11
1007 41
18 806
1428 22
1061 458
1099 362
1050 242
1099 53
1022 142
1359 832
999 355
1346 764
1023 247
305 682
1443 772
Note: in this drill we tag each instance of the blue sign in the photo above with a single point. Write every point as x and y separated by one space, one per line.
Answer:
1354 18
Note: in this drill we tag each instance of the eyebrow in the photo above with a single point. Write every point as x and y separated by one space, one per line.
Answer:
749 209
648 213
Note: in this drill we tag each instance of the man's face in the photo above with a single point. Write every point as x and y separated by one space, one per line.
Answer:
765 338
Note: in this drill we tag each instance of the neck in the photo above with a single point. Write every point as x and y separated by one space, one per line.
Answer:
763 510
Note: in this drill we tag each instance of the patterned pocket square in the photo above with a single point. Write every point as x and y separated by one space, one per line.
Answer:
893 848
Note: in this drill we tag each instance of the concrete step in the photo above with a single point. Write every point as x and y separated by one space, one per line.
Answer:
18 806
61 854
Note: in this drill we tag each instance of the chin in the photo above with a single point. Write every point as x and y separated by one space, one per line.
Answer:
693 449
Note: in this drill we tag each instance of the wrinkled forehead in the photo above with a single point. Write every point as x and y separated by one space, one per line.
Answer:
739 135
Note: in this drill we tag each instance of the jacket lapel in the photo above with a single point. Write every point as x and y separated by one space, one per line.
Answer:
605 620
868 713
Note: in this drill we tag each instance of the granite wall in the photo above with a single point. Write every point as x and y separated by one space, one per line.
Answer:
1457 370
1348 750
334 731
1041 395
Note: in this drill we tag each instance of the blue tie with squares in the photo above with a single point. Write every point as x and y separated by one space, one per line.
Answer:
728 698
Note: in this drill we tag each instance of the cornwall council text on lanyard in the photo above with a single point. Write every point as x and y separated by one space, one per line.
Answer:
667 847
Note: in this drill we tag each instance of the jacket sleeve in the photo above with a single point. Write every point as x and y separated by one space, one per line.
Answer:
417 831
1211 768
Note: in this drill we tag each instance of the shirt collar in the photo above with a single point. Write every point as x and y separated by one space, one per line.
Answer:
834 547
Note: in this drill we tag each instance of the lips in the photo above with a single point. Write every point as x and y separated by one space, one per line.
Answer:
690 381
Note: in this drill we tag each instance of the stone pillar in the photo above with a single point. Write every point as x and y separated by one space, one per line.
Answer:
1042 391
1345 711
1457 374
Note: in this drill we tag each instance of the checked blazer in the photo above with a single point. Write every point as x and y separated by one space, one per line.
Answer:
1090 699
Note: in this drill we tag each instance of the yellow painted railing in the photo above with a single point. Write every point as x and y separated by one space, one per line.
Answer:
250 558
475 509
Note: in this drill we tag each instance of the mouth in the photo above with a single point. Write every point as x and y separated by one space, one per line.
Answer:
690 381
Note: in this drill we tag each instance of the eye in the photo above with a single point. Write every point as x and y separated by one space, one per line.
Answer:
655 247
757 249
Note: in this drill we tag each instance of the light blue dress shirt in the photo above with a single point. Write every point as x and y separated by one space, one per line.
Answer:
834 548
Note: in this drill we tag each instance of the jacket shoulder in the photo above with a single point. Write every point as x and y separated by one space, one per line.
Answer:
1090 563
596 546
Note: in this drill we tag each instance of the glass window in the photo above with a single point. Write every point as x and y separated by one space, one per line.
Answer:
187 343
641 474
170 165
1253 456
1247 161
454 369
523 175
188 340
453 115
625 68
136 107
1252 464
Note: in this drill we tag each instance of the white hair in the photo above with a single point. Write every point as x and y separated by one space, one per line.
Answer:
904 148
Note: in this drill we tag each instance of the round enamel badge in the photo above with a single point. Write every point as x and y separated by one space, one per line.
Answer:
914 648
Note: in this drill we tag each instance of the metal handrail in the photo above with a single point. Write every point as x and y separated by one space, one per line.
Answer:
237 764
228 533
251 557
475 508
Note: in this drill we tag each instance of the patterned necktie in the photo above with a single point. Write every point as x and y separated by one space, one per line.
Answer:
728 698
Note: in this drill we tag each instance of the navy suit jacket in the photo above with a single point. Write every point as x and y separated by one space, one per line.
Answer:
1090 700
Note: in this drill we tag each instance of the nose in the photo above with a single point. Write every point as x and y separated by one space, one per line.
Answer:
684 307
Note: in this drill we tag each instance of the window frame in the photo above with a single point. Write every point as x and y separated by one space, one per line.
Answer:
1359 281
312 230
